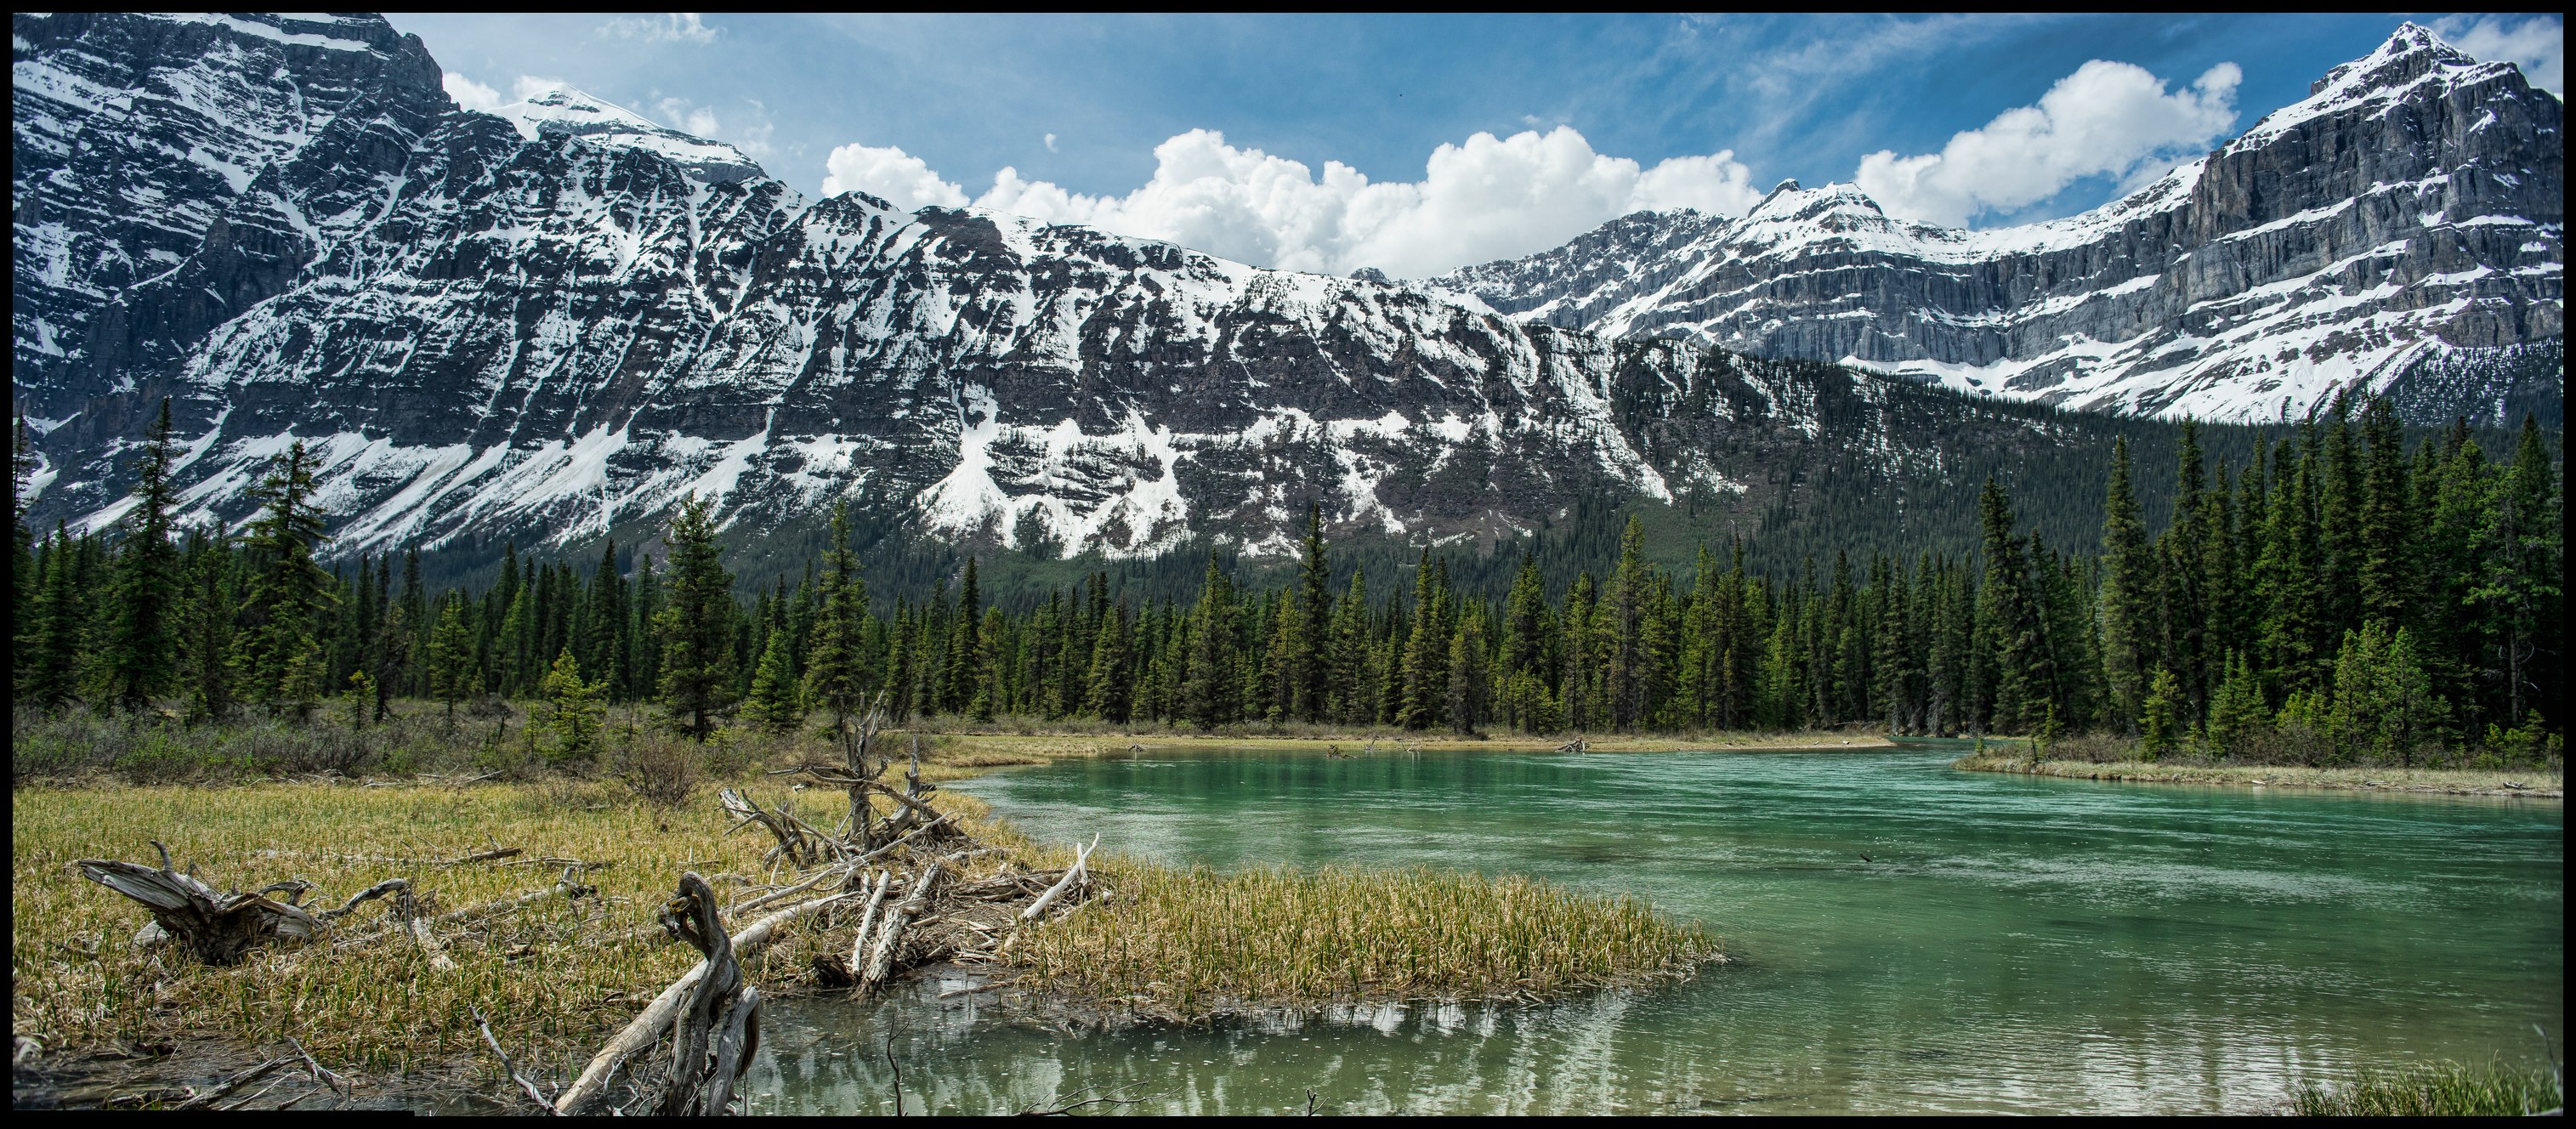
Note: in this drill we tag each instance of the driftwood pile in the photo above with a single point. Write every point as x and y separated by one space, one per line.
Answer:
910 885
895 879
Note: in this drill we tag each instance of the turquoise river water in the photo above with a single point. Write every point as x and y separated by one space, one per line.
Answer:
1905 938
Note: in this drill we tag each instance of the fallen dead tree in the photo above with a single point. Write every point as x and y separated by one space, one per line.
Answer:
221 928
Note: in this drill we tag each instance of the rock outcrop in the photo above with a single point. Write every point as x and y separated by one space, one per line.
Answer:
2411 207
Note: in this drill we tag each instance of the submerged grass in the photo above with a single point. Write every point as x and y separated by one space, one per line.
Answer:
2444 1089
1197 942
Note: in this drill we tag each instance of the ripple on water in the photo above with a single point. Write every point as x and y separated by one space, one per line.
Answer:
2010 944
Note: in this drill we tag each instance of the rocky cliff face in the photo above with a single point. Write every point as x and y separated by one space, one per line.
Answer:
552 323
2412 206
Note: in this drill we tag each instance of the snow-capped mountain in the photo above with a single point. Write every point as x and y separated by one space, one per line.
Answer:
2413 205
552 322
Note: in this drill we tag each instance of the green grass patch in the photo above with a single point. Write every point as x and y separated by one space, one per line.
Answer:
2442 1089
1193 943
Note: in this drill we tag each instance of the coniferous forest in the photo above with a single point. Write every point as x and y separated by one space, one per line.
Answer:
2340 597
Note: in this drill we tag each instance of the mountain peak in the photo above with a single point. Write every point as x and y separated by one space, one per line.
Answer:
561 110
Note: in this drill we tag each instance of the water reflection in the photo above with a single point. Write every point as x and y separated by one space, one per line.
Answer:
2007 944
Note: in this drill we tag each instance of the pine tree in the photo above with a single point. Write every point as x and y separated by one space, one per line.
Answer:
134 657
1470 675
2160 721
2026 678
957 678
2237 712
1209 693
451 657
694 629
1426 650
1106 695
206 618
1311 667
51 670
837 674
281 658
992 667
2126 588
1349 692
573 710
1625 604
774 704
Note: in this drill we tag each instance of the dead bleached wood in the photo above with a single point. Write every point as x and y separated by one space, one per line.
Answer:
719 1027
507 1067
798 842
1072 875
228 1086
890 934
648 1024
418 927
867 922
218 928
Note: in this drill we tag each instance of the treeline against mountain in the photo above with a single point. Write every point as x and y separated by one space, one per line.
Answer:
2334 597
2488 386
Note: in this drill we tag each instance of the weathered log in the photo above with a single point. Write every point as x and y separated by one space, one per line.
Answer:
867 922
722 1010
218 928
890 936
648 1024
1072 874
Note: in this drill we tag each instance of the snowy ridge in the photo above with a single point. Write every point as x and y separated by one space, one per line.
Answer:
2412 206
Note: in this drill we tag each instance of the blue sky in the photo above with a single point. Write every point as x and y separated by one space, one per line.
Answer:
1116 120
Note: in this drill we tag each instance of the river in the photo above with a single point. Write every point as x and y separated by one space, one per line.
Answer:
1906 938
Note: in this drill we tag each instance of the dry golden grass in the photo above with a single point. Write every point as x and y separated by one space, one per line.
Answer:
1190 943
2536 783
556 977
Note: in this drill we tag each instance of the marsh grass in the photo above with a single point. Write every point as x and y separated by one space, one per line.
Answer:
1193 943
559 975
2537 783
2444 1089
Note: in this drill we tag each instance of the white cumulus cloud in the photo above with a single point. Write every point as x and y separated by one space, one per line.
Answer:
669 27
688 118
2107 118
1487 198
899 177
2538 45
471 94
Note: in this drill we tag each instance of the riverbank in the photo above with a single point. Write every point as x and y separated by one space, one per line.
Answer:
557 974
2447 781
994 748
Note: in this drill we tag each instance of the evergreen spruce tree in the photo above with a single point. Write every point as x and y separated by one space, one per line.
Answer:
135 656
2127 586
2161 726
991 691
2237 712
281 659
1106 686
574 710
694 627
2025 674
774 705
452 676
1425 659
206 616
1353 693
50 674
837 671
957 677
1312 667
1470 675
1209 692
